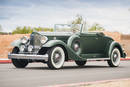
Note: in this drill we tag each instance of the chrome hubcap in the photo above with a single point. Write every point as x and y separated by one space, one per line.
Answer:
76 47
57 57
115 56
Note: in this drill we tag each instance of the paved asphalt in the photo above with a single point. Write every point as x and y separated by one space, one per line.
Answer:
38 74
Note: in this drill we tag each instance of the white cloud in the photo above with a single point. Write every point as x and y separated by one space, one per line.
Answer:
112 18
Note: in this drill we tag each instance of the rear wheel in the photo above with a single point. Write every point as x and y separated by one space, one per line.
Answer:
56 57
19 63
114 58
80 63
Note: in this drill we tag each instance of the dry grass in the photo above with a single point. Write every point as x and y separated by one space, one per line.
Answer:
5 41
115 35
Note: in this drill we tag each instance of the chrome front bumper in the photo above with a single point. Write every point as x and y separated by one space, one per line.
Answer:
28 56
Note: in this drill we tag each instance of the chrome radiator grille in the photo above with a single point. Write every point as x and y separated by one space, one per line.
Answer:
35 41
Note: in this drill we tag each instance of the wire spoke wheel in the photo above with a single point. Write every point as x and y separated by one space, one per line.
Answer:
114 58
56 58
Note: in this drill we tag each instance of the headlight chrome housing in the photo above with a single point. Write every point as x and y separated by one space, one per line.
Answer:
22 47
24 39
44 39
30 48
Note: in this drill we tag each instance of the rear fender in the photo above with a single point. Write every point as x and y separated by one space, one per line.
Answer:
117 45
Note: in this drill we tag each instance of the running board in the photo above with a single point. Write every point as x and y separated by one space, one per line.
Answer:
98 59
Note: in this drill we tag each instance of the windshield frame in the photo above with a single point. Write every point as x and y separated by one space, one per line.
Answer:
80 30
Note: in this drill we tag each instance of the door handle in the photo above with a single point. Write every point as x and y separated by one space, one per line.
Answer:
96 38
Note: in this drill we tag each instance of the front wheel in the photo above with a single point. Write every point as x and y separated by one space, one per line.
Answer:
56 57
19 63
114 58
80 63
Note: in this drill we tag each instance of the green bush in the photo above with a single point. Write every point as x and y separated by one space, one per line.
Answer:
28 30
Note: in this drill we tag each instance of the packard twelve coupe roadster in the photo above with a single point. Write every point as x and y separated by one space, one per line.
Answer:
66 42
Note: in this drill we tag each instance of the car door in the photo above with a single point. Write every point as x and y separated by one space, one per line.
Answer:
92 43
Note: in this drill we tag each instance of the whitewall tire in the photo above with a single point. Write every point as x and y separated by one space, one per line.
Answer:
56 57
114 58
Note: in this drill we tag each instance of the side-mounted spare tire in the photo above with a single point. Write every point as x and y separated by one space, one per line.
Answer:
19 63
74 43
56 57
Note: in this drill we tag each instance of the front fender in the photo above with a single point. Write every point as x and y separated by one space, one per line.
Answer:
116 44
52 43
16 43
71 54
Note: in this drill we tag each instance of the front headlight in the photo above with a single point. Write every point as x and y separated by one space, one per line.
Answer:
22 47
44 39
30 48
24 39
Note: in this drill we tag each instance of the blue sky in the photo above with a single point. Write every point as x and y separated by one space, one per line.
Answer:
114 15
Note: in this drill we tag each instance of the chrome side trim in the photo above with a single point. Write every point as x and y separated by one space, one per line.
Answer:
28 56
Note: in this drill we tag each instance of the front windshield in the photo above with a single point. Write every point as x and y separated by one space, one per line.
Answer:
68 28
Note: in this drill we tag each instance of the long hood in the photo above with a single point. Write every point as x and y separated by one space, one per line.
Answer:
56 33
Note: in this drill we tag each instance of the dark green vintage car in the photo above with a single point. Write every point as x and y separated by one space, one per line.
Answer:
67 42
